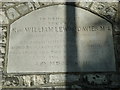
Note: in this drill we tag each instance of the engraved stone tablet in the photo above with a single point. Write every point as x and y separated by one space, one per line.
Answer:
39 42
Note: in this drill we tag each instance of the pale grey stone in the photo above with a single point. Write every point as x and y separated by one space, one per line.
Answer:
110 11
1 59
60 86
41 36
104 9
38 80
36 5
22 8
1 65
8 4
59 78
12 14
3 18
85 4
98 7
0 4
1 34
113 5
30 5
4 40
7 83
45 3
2 49
0 81
27 81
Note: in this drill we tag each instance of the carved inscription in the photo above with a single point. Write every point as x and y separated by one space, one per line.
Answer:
38 43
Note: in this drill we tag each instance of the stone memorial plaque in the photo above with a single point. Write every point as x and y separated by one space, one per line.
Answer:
38 42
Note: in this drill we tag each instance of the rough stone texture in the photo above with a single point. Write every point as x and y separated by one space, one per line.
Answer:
27 81
4 29
85 4
3 18
36 5
10 81
1 34
96 79
38 80
62 78
104 9
1 64
24 81
12 14
0 81
2 50
113 5
45 4
1 5
22 8
4 40
8 4
30 5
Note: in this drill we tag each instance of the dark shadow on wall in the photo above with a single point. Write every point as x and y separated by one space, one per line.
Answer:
71 40
72 60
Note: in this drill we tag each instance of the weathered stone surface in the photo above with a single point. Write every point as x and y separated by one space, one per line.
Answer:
8 4
2 50
1 34
48 47
3 18
85 4
110 11
12 14
22 8
0 82
4 40
45 3
62 78
96 79
104 9
36 5
38 80
1 59
57 78
27 81
30 5
113 5
4 29
11 81
0 4
1 64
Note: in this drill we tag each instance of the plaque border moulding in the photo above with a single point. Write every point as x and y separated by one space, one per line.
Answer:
32 73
